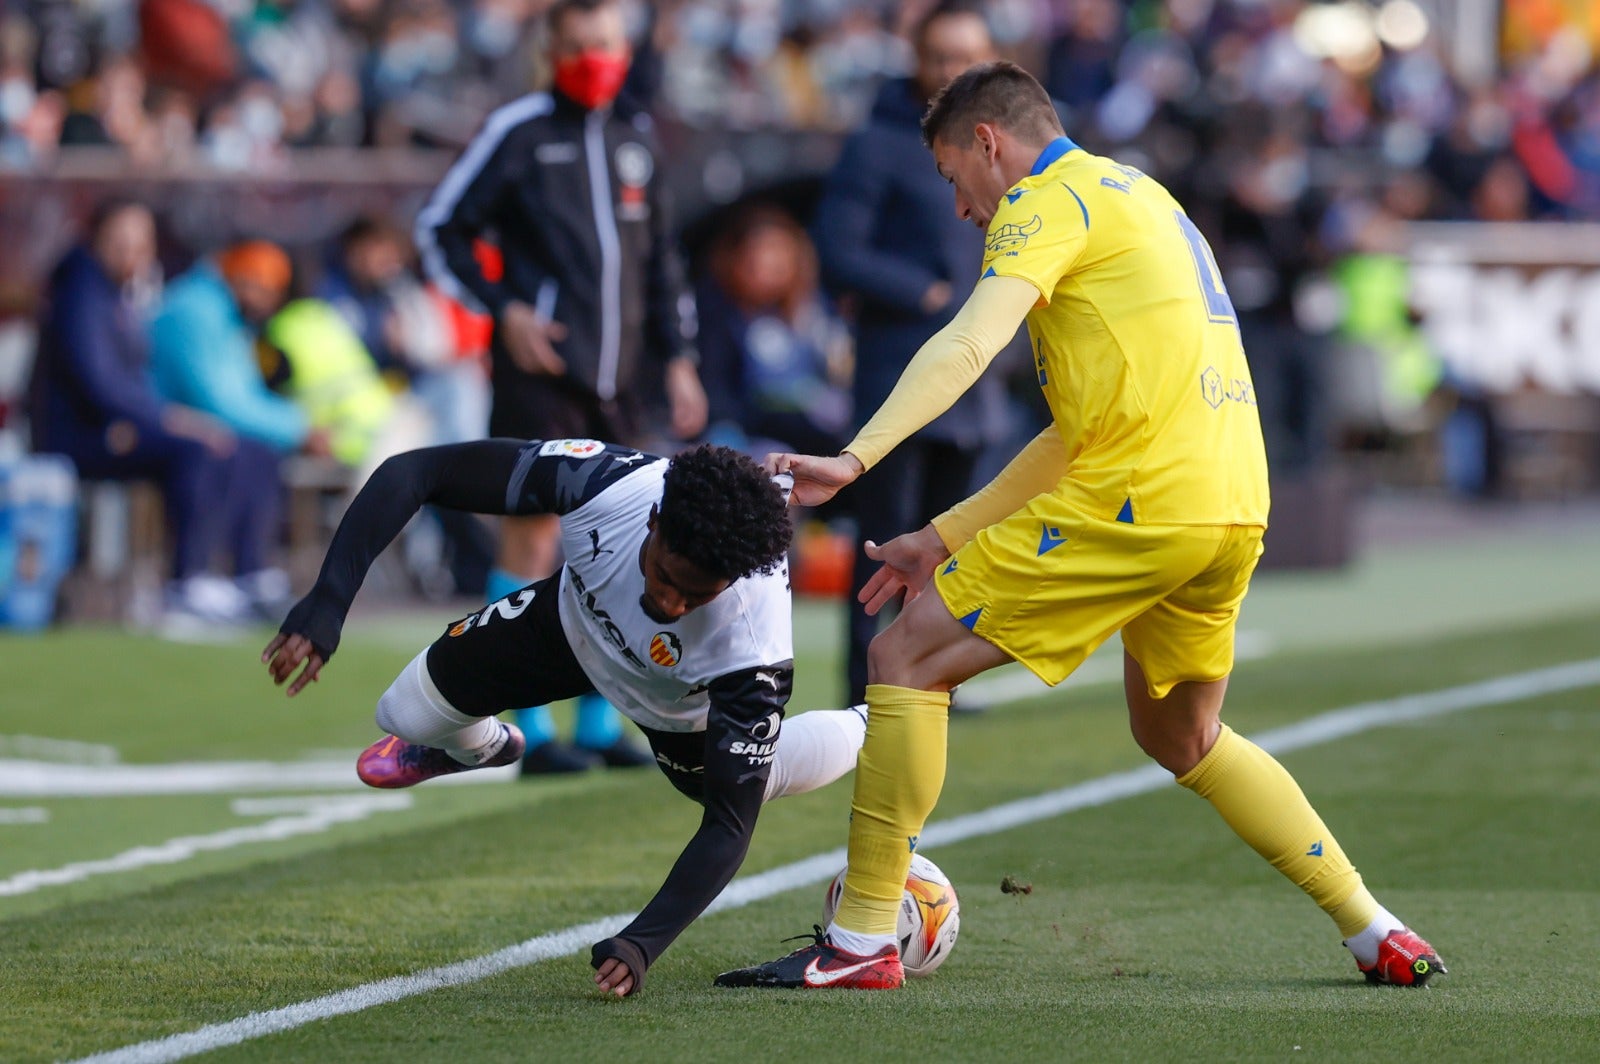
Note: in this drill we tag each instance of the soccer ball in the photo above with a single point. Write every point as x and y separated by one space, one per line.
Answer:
930 916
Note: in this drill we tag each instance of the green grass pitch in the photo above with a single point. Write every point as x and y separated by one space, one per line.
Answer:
1150 934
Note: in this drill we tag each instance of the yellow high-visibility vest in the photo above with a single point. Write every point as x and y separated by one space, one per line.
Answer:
332 376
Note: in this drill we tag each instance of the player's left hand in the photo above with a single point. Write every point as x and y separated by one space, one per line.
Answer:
908 565
614 977
285 653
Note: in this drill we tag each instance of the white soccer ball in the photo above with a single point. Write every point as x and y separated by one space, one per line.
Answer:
930 916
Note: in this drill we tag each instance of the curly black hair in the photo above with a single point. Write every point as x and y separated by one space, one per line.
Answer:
721 511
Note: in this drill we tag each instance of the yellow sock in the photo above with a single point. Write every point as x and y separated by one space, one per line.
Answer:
899 774
1266 808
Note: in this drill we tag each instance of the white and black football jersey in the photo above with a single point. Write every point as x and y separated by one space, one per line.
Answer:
724 670
656 674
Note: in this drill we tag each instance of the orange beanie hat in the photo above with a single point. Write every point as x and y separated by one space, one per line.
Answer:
258 261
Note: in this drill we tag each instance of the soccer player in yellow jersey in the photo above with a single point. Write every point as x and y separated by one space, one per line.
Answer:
1140 510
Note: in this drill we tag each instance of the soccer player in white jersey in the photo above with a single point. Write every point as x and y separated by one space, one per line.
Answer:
673 603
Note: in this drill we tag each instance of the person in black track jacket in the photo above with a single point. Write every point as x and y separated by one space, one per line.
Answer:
589 305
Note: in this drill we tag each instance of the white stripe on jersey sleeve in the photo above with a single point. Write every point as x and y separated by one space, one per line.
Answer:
460 175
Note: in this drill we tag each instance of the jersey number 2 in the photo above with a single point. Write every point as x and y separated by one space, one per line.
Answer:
1219 308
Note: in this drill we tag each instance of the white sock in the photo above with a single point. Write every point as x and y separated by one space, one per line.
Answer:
816 748
413 709
862 945
1365 943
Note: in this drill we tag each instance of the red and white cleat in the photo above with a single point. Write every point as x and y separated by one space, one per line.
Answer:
820 966
1404 959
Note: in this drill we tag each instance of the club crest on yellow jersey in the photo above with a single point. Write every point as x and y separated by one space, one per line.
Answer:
1012 236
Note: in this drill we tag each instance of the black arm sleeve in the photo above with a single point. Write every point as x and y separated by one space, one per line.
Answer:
558 476
463 476
741 736
483 477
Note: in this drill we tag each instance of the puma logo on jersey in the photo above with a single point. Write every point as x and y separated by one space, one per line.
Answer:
597 550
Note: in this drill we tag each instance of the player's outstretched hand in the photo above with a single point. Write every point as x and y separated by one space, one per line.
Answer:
285 653
614 978
816 479
619 966
908 565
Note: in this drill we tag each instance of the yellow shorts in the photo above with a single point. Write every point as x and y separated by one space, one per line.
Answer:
1049 584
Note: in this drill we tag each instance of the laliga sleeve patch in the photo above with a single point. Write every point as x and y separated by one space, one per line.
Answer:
572 448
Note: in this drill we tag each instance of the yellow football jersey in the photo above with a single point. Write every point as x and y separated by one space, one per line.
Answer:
1135 344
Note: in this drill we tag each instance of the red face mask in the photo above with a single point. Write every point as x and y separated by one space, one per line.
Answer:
592 79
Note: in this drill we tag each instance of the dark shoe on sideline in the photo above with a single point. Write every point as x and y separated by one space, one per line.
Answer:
555 758
621 754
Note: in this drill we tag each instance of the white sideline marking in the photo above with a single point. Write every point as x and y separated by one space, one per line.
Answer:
60 750
383 800
1325 727
316 817
27 814
41 779
99 777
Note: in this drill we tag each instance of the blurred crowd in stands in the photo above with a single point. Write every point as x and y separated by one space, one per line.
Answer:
1299 135
1192 87
206 384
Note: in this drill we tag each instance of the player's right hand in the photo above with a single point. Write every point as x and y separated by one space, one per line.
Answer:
285 653
530 339
614 977
908 565
816 479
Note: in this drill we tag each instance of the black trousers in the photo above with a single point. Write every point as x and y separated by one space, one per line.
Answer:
232 501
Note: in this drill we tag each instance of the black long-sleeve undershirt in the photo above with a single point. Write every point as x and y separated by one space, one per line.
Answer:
499 476
465 476
741 735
